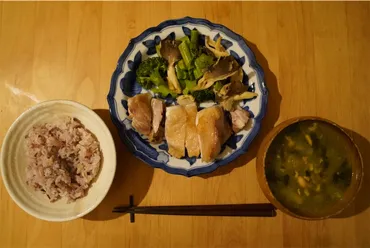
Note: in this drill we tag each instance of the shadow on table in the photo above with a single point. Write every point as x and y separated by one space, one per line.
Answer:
132 177
362 201
268 122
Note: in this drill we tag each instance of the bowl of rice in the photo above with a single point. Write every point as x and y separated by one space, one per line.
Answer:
58 160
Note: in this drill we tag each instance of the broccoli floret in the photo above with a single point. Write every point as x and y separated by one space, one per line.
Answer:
203 95
151 72
164 91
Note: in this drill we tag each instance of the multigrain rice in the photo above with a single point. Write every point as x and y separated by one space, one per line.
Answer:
63 159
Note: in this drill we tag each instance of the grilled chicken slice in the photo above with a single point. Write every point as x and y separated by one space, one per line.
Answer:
239 118
213 130
140 112
191 138
158 111
175 130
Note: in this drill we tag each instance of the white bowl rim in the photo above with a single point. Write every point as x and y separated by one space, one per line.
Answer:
19 119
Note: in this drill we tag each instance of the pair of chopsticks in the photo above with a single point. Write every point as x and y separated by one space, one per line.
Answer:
236 210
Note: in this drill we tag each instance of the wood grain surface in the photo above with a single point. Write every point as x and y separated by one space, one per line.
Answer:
316 58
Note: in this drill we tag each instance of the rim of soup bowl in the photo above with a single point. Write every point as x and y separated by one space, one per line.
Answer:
357 169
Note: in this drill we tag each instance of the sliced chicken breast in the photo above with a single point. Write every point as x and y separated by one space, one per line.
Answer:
175 130
239 118
191 139
140 112
213 130
158 111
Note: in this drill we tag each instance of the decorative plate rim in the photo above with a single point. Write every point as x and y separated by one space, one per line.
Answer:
252 63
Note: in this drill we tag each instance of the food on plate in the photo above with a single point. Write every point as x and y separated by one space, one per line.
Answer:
158 112
191 138
309 167
239 118
213 130
216 47
185 66
140 111
185 100
221 70
192 73
170 51
151 71
175 130
63 159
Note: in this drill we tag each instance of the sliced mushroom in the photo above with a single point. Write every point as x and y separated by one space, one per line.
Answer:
173 82
235 86
245 95
215 47
237 77
226 67
229 103
170 51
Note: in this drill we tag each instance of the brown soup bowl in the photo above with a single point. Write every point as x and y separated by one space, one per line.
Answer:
349 195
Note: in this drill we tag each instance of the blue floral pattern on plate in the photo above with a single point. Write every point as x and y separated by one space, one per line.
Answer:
124 85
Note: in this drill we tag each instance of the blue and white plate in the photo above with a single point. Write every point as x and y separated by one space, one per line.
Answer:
123 85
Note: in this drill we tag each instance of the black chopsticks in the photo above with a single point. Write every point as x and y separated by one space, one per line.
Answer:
236 210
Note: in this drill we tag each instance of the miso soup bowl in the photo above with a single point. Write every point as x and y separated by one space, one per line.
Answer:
350 194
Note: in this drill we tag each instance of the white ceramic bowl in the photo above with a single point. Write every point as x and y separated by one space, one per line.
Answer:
13 162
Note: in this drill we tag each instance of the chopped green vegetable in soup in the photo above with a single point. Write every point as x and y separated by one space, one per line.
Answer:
308 167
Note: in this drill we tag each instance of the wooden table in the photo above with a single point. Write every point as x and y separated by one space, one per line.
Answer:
316 58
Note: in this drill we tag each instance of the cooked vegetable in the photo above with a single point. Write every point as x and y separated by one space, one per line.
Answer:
169 50
183 66
237 77
189 85
194 36
197 73
151 71
232 89
245 95
164 91
181 74
226 67
186 55
158 50
203 62
215 47
218 86
185 39
203 95
194 46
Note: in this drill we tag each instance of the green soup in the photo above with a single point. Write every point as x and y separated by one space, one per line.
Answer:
308 167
